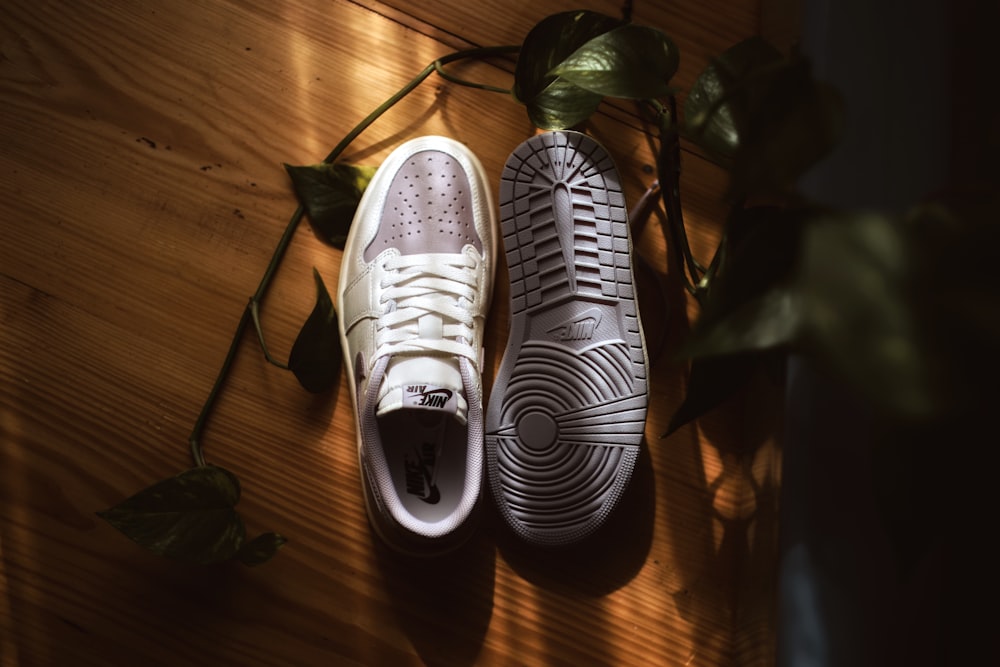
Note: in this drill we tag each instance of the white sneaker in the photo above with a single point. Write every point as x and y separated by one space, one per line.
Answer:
414 289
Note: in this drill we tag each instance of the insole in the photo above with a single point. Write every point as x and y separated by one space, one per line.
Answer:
426 452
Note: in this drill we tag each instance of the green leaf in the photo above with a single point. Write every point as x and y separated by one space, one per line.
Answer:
760 254
771 319
315 355
633 62
796 122
260 549
760 250
330 194
717 108
711 381
858 310
562 105
189 517
550 42
765 115
554 103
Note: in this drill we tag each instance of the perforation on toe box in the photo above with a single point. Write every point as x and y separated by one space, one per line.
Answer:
428 208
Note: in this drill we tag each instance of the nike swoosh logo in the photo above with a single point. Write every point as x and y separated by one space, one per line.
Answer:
435 398
581 327
430 397
433 494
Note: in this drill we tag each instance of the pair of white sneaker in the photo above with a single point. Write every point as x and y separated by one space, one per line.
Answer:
566 415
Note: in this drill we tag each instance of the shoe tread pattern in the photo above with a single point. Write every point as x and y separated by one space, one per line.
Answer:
568 410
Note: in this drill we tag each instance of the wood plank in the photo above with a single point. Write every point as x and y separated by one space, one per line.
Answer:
140 157
701 30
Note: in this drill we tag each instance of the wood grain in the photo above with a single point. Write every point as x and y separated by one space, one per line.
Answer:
141 147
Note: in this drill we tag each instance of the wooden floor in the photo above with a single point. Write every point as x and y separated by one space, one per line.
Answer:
141 195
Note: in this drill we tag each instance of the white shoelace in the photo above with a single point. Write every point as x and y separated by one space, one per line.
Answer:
429 302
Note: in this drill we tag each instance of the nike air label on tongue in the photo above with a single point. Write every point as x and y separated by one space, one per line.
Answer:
425 383
429 397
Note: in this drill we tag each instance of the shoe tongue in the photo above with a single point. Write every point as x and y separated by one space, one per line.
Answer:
423 383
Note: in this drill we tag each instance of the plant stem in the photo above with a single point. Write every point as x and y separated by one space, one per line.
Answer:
675 189
706 280
469 84
720 251
668 168
483 52
194 440
639 213
251 312
254 307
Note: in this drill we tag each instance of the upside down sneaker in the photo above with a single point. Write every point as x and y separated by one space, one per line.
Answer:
567 410
414 289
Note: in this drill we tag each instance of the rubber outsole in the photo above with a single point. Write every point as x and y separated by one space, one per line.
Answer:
567 411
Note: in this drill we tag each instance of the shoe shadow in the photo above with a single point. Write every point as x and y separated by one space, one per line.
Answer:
443 604
603 562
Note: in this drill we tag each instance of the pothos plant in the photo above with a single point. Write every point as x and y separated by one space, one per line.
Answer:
787 275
